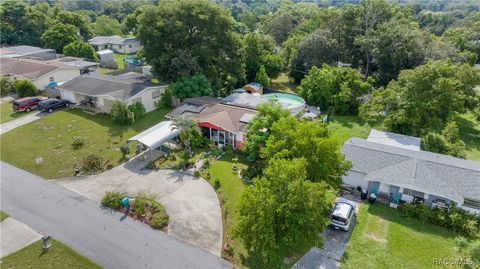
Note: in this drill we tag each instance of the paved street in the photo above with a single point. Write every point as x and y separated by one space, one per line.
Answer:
94 232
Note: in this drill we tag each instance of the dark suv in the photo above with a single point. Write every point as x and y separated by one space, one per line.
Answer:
52 104
26 104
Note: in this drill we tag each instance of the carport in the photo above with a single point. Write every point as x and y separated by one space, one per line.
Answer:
157 135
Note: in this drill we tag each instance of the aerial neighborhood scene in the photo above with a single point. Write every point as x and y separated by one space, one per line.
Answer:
252 134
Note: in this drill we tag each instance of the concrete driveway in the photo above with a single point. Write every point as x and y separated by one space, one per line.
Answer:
328 257
33 116
15 236
193 206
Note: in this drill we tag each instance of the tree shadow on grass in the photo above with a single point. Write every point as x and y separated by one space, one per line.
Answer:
468 132
393 215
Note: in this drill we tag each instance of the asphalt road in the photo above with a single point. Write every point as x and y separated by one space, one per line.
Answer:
92 231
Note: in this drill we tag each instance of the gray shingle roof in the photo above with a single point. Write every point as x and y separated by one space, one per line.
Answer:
122 87
424 171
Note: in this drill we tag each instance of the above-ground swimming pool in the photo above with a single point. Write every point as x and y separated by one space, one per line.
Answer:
294 103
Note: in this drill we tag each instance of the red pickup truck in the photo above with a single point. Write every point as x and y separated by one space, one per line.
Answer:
26 104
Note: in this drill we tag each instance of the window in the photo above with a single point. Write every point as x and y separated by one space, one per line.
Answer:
156 94
413 193
120 46
130 46
473 203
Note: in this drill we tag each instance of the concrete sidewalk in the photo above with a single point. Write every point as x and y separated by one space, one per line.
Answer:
15 236
8 126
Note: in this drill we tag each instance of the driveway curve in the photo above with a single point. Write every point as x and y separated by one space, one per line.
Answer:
192 204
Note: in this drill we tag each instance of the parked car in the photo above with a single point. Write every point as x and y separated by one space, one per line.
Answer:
52 104
26 104
343 214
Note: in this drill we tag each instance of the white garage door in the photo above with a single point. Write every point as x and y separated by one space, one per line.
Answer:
68 95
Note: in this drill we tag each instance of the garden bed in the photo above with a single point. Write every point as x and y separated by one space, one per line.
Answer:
143 208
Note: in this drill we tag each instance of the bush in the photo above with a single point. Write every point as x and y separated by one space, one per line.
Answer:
77 142
158 221
92 163
461 241
165 100
125 149
138 110
228 249
25 88
120 113
197 173
457 220
216 184
6 85
475 251
112 200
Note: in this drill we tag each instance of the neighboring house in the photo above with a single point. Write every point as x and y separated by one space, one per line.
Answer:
395 140
115 43
43 73
104 90
222 123
402 174
27 51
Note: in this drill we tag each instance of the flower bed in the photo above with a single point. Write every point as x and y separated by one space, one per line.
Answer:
143 208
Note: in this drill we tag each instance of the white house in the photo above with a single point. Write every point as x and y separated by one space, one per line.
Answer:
104 90
115 43
42 72
105 56
399 173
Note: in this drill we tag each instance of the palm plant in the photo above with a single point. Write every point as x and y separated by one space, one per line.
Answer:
186 125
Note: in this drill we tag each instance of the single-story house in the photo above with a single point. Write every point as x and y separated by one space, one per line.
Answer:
400 174
115 43
102 90
223 123
27 51
43 73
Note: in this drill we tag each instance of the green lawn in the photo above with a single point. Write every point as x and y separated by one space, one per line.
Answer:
283 84
344 127
383 238
3 216
51 137
469 129
7 114
231 187
58 256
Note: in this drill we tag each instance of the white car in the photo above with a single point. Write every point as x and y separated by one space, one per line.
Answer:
343 214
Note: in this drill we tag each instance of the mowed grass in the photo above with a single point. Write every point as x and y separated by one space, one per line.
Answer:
283 84
231 187
469 129
3 216
51 139
58 256
344 127
7 114
383 238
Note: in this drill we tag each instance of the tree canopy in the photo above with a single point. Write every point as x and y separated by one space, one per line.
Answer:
188 87
59 35
106 26
182 38
422 99
80 49
337 87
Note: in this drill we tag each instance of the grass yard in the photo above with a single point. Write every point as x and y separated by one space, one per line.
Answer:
58 256
51 138
3 216
7 114
383 238
231 187
283 84
344 127
469 129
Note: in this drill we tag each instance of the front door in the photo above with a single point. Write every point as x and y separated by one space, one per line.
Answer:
221 139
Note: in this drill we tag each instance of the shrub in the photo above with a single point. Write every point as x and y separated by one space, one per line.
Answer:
475 251
112 200
24 88
6 85
165 100
461 241
77 142
206 163
138 110
197 173
457 220
125 149
92 163
216 184
120 113
228 249
159 220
